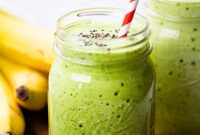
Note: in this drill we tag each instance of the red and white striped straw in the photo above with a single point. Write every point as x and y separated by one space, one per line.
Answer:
130 12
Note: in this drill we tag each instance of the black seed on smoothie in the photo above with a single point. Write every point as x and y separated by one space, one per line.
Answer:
193 63
100 96
66 66
181 60
161 23
193 49
116 93
195 29
118 116
183 102
114 36
71 94
187 8
178 4
174 125
108 49
170 73
107 104
128 100
193 39
122 84
80 125
158 89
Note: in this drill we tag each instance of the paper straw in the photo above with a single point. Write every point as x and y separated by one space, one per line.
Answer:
130 12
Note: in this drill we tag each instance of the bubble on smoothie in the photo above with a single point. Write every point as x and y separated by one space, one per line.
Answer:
193 39
193 63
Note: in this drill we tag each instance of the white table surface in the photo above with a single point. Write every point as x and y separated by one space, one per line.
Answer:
46 12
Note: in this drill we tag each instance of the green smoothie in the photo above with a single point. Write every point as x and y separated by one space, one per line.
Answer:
101 85
176 38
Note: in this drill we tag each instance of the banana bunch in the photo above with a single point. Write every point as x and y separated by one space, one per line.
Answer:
26 54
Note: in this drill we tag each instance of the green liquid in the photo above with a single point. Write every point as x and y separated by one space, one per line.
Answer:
111 97
176 56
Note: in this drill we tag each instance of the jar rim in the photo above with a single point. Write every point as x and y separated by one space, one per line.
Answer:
178 1
106 10
133 47
168 17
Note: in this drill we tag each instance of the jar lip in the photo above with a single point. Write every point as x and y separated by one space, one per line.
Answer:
172 2
171 18
106 10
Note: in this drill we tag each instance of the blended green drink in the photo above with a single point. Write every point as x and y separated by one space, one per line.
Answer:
99 84
176 38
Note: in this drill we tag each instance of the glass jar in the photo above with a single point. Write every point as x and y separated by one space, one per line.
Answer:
101 85
175 35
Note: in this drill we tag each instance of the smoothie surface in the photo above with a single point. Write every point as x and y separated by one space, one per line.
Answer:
92 41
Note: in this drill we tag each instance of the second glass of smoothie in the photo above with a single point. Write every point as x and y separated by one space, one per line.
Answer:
175 35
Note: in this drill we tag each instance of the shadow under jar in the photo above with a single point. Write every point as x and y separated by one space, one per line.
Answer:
176 38
99 84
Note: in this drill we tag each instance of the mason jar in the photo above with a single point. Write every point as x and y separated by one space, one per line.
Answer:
175 35
100 84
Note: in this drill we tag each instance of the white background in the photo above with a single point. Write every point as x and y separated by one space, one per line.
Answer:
46 12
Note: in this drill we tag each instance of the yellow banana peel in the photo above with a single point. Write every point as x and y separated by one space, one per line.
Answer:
26 44
29 86
11 118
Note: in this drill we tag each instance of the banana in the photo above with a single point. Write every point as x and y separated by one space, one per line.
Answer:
24 43
30 86
11 118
